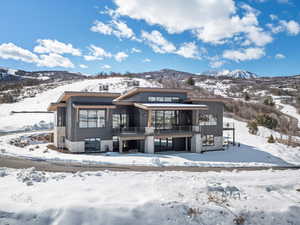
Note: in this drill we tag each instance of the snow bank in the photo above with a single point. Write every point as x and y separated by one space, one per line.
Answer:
271 198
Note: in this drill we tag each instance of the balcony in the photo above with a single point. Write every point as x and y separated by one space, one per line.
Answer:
142 131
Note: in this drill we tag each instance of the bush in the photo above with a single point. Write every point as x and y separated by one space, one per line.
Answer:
190 81
246 96
252 126
266 121
269 101
271 139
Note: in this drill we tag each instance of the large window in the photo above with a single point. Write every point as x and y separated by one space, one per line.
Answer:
163 99
207 119
208 140
165 119
91 118
120 120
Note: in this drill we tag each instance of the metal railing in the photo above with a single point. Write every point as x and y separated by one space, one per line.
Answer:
129 130
228 125
173 129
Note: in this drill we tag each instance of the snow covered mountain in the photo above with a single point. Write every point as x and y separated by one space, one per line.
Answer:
239 74
8 74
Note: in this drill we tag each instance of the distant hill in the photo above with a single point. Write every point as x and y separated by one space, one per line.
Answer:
238 74
10 75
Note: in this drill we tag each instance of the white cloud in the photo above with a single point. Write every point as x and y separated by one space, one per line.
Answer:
54 46
157 42
97 53
146 60
83 66
280 56
101 28
11 51
120 56
161 45
211 21
291 27
106 67
273 17
55 60
135 50
189 50
244 54
216 64
115 27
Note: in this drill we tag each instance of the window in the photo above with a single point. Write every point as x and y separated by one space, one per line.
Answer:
120 120
207 119
165 119
163 99
91 118
208 140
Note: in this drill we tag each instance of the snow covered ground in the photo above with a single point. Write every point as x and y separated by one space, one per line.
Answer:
118 198
289 110
254 151
40 102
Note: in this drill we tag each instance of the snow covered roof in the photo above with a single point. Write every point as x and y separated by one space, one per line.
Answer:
170 106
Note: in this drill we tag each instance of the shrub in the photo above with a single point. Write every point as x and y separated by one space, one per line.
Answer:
269 101
271 139
190 81
252 126
266 121
246 96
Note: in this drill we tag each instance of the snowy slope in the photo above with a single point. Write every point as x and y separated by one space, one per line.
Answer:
41 101
289 110
241 74
118 198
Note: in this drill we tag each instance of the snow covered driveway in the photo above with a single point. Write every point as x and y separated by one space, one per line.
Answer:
265 197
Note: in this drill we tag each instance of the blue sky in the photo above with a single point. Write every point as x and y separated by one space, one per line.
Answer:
90 36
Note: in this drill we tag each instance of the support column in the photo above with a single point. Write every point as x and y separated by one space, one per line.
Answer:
149 144
196 143
120 146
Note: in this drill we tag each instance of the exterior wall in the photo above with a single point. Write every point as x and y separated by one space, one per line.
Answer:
80 134
59 136
217 146
75 146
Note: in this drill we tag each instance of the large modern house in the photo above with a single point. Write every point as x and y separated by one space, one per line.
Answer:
143 119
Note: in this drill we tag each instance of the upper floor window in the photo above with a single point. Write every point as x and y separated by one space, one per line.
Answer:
91 118
120 120
163 99
207 119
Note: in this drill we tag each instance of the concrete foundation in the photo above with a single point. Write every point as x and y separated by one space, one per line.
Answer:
75 146
106 145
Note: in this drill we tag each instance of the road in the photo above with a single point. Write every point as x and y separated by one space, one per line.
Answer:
19 163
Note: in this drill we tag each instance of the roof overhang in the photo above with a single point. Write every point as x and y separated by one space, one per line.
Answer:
67 94
170 106
209 99
161 90
53 106
93 106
